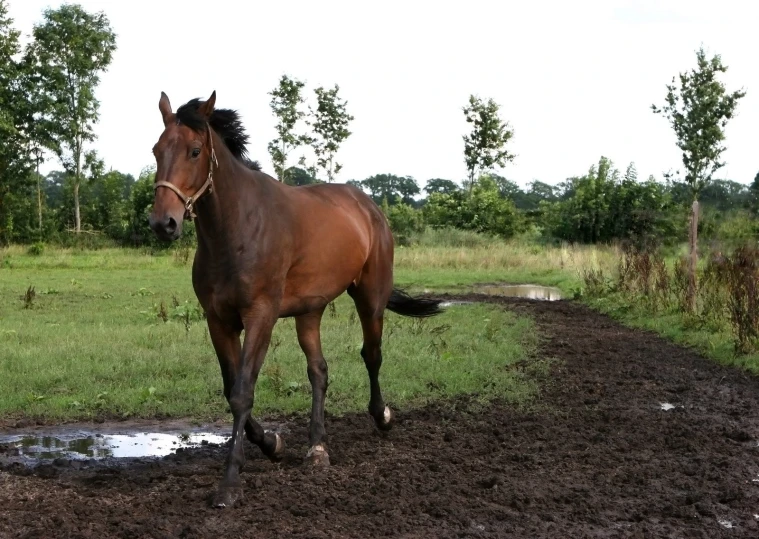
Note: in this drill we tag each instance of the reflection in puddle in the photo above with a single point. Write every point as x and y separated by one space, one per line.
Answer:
530 291
667 406
85 445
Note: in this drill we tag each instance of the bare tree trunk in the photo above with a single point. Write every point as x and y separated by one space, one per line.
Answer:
693 240
39 195
77 181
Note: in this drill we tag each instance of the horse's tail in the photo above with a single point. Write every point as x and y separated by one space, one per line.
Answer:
401 303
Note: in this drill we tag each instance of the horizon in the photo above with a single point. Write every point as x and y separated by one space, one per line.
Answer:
592 81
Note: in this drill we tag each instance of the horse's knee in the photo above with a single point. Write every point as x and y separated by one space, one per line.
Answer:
317 373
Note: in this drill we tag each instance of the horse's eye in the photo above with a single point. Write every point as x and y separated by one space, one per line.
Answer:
196 152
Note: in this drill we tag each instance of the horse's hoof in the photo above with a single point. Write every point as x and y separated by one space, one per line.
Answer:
227 497
317 456
278 453
386 421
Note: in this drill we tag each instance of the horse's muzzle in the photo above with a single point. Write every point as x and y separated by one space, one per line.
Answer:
167 229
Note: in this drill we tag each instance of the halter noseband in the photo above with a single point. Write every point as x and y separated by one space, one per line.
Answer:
190 201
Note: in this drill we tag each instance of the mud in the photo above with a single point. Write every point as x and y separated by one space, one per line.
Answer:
598 456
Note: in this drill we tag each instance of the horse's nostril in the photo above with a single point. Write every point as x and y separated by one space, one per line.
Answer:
171 225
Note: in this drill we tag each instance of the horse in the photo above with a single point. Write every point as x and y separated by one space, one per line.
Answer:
265 251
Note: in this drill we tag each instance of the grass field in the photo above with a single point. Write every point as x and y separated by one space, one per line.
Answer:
118 333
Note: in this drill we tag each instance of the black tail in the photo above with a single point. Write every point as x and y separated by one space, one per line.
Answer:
401 303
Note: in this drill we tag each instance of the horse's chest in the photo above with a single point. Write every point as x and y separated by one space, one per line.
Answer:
219 296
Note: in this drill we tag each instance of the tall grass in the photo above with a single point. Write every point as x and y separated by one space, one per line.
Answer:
648 290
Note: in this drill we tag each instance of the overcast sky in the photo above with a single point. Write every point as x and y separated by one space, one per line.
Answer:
575 80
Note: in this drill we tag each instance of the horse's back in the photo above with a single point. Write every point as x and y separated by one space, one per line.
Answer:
339 233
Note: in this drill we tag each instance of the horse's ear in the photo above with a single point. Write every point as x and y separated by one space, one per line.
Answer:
206 108
165 107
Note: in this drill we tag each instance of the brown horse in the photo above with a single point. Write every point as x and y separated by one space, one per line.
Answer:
267 250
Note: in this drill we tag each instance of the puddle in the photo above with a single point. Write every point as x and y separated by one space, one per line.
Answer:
455 302
88 445
530 291
726 524
667 406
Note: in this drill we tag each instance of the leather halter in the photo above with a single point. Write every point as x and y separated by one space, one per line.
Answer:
190 201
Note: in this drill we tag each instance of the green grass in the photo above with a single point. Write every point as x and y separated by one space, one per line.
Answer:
713 340
91 344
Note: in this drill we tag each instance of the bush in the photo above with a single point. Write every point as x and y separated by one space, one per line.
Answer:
36 248
404 221
484 210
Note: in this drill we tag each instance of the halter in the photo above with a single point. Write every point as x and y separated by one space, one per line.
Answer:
190 201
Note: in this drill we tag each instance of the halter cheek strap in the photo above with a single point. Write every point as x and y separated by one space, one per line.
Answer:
189 201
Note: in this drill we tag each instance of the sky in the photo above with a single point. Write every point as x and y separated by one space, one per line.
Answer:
575 80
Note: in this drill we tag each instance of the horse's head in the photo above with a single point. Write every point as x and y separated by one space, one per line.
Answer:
185 158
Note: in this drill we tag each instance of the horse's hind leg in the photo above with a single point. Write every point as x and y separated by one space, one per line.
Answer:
309 338
370 304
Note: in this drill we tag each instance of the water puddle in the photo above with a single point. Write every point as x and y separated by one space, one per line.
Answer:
667 406
88 445
726 524
455 302
530 291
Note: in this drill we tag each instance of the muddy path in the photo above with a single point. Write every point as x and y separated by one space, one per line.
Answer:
599 457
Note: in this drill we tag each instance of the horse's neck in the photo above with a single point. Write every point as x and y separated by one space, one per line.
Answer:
219 215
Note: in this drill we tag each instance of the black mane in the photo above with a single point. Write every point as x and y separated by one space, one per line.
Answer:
225 122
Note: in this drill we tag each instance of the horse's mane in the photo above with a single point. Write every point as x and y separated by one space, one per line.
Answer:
225 122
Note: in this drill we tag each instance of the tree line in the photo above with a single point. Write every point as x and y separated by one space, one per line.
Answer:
48 109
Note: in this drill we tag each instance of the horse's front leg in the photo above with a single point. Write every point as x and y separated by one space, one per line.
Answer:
259 323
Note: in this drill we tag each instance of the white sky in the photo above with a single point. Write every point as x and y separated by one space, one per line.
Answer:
574 79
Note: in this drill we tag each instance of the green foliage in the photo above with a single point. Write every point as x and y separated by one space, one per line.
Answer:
394 189
698 111
285 101
603 206
16 183
298 176
71 48
484 146
439 185
329 123
482 211
404 221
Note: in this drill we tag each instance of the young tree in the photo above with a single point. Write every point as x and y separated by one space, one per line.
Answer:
330 125
71 48
698 111
484 146
285 101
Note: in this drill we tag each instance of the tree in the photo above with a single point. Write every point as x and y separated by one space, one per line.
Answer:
284 103
330 125
484 146
71 48
15 162
35 120
698 112
298 176
754 194
439 185
394 189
